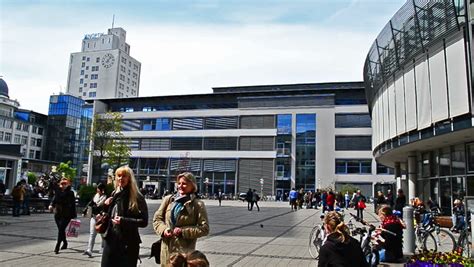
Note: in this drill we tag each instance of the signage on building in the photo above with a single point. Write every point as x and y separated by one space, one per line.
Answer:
92 35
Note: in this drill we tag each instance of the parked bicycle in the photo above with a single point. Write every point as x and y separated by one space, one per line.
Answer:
431 237
463 245
317 234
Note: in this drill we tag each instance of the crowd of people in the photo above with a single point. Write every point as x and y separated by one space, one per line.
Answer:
182 218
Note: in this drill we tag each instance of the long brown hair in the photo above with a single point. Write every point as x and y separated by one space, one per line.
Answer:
336 225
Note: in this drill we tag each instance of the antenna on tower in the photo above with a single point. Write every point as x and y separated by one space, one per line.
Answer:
113 20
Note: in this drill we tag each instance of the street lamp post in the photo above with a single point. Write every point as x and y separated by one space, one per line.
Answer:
261 187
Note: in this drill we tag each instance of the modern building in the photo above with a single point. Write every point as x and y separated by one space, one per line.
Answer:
418 82
269 138
22 139
104 67
69 122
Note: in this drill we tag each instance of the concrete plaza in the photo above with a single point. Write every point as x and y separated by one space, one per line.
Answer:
275 236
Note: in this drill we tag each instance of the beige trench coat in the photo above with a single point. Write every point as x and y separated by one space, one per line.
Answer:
192 220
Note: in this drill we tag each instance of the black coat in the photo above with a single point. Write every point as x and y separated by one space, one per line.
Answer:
400 202
64 204
336 254
127 231
393 244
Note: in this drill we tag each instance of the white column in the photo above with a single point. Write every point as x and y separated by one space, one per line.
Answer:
412 175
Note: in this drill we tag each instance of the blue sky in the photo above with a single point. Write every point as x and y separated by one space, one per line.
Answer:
188 47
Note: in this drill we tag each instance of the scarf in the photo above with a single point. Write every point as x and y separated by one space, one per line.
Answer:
391 219
178 206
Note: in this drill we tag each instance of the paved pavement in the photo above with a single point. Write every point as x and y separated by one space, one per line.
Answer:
275 236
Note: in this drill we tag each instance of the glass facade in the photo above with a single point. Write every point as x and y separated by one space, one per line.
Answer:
306 151
283 160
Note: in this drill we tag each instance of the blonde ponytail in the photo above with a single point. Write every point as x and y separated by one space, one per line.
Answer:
336 225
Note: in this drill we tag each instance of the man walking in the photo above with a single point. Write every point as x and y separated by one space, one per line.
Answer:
249 198
219 196
255 199
293 199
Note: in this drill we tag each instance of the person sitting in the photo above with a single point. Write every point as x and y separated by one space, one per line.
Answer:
391 248
339 249
458 216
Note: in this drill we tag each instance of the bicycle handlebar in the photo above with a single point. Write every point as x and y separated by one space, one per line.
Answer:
371 225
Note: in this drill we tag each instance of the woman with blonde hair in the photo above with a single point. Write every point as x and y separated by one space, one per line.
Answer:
128 211
339 248
181 219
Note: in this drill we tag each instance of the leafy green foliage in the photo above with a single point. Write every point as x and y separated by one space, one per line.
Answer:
66 171
86 193
348 187
31 178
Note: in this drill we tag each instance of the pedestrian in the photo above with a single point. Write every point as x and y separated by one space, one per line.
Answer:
249 198
318 198
324 197
64 205
330 200
359 204
458 219
340 200
193 259
390 198
339 248
380 200
293 199
400 201
3 188
181 219
300 198
94 207
219 196
18 195
347 199
26 198
255 199
128 211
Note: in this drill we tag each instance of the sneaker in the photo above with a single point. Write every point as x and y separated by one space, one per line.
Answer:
88 254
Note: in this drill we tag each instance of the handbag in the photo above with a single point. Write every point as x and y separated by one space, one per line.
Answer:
156 251
361 204
73 228
102 222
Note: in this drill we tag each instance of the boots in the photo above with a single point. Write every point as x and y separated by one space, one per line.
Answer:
56 249
64 245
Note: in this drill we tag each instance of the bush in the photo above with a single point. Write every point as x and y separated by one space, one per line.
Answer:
86 193
431 258
31 178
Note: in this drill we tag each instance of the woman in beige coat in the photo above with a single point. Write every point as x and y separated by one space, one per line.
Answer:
181 219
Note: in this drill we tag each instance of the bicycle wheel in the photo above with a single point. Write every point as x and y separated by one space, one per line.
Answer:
465 245
429 242
315 241
444 239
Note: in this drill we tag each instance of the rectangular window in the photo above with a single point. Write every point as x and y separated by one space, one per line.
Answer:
87 76
82 72
39 142
83 64
1 136
31 154
97 59
353 166
221 123
94 76
92 94
382 169
18 126
16 139
353 120
84 58
8 137
26 127
93 85
351 143
81 81
188 123
257 143
40 131
186 143
87 68
220 143
88 59
469 156
284 124
33 141
85 85
38 155
257 122
24 140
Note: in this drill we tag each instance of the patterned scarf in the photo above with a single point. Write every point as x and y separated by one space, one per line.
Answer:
178 206
391 219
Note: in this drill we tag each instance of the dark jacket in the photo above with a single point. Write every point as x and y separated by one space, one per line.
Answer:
64 204
393 244
337 254
358 198
400 202
127 230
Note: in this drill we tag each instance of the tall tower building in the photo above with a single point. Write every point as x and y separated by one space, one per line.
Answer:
104 67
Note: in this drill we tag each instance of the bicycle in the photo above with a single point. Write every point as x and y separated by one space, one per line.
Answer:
317 235
431 237
367 243
463 245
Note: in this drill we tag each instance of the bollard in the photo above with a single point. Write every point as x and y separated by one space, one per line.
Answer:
472 232
409 231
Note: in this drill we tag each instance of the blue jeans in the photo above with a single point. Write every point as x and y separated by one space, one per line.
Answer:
382 255
16 208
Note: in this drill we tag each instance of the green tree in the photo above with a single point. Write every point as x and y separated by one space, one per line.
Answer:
65 170
107 139
118 153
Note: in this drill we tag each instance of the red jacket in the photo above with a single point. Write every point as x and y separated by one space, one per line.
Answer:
330 200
